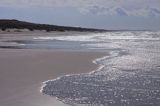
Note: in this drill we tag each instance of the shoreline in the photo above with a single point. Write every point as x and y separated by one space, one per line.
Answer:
25 70
94 61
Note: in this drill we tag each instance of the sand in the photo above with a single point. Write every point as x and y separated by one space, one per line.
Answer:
23 71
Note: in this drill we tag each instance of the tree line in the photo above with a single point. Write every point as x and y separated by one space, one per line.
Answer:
15 24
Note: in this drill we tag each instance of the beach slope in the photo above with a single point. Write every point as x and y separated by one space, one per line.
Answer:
23 71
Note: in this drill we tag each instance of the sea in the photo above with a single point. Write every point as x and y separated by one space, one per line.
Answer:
128 76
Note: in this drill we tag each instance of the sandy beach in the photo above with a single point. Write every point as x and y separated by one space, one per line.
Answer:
23 71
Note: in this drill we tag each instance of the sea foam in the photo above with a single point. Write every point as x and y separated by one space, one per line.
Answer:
128 76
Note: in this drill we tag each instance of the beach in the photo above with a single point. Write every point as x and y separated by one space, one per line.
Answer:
96 69
22 72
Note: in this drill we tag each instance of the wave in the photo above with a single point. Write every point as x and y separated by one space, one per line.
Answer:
45 88
129 76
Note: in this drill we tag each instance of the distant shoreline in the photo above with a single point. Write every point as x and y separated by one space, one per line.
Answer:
18 26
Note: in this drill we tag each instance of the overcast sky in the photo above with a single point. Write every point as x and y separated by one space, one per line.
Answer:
108 14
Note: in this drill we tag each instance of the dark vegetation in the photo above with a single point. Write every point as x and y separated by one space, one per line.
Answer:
15 24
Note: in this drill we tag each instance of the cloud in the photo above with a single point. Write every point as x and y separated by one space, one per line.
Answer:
99 7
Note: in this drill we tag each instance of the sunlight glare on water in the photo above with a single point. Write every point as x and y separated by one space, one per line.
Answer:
130 75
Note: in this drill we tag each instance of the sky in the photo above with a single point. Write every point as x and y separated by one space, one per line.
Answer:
106 14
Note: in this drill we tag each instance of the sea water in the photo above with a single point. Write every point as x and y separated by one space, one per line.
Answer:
128 76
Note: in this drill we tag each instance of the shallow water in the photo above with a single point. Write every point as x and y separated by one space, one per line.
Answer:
129 76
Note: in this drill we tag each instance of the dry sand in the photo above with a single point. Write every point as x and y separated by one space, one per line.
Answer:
23 71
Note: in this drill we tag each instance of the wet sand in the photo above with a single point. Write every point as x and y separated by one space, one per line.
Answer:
23 71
